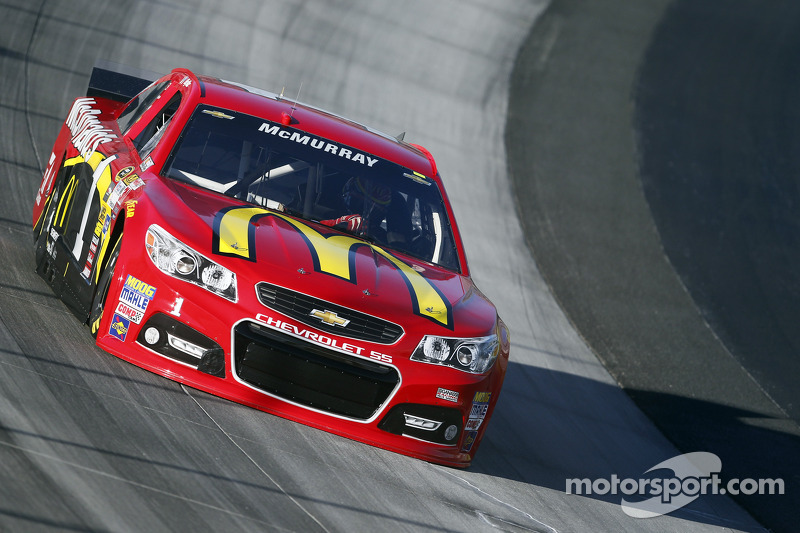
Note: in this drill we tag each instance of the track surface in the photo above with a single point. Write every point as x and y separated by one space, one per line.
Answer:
88 442
722 180
692 141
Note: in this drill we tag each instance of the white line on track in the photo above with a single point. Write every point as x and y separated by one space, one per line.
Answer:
274 482
498 500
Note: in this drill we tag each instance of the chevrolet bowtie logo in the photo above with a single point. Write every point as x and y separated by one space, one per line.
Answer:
329 317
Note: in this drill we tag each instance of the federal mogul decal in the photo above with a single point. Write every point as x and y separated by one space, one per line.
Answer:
332 254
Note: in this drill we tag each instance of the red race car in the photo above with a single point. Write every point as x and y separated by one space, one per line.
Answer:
273 254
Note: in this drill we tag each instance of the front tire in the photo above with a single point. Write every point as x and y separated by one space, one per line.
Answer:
100 295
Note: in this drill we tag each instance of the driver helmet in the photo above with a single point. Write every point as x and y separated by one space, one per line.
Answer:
366 197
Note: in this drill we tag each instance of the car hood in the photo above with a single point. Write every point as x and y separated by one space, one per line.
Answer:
264 245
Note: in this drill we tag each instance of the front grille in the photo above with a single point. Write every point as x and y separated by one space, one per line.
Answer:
311 375
300 306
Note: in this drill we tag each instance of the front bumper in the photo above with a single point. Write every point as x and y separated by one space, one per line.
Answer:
253 355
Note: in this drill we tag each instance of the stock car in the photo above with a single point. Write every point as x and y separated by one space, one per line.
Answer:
273 254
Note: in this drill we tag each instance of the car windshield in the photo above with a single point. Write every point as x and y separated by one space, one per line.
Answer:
316 179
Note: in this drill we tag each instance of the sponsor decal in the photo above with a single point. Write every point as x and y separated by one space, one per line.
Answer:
136 296
119 327
322 340
103 221
87 269
87 131
469 440
106 224
482 397
145 289
130 208
122 173
147 163
218 114
473 424
51 244
129 183
119 190
100 232
331 254
134 315
318 143
133 181
480 406
419 178
449 395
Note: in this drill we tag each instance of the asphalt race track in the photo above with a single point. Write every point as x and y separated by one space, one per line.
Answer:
90 443
660 200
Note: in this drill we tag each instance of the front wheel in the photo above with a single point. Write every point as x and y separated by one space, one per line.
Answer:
100 295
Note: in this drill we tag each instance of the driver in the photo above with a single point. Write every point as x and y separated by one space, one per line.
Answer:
366 202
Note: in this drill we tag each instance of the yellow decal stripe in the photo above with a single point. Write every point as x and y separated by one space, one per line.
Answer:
102 186
334 254
68 163
233 233
96 323
429 302
65 200
73 161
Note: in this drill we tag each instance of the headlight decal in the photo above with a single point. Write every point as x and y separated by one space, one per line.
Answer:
475 355
176 259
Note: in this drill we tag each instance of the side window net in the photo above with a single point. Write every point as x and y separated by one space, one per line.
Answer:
149 137
140 103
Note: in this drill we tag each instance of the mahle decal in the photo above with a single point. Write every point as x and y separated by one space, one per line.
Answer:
333 254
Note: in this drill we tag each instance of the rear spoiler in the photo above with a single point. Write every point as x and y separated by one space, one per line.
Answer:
118 82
